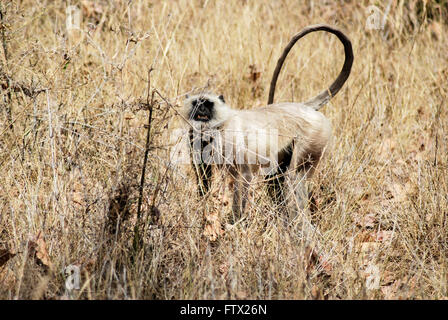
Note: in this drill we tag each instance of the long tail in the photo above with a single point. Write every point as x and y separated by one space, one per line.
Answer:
322 98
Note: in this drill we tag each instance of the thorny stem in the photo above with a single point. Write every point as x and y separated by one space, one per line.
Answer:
149 102
5 52
3 27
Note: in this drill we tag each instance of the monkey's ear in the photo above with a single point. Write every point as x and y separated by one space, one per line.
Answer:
221 97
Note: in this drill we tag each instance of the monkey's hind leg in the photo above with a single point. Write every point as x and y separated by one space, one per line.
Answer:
297 197
295 192
299 213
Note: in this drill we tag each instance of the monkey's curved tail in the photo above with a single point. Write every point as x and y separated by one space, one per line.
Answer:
322 98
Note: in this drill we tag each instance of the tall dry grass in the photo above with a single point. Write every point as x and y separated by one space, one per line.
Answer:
73 125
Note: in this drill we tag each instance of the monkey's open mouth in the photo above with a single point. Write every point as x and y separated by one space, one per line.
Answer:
199 117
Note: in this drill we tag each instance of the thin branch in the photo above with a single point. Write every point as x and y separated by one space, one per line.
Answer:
17 86
150 104
3 27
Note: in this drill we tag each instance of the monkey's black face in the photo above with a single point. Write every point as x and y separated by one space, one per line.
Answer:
202 110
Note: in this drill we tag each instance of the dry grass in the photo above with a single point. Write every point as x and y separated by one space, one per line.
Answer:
73 117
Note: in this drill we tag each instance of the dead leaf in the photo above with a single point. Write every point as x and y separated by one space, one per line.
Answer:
400 191
315 261
254 73
77 188
369 251
325 265
41 287
387 148
400 289
91 8
364 236
367 221
223 269
213 227
7 279
316 293
436 30
418 150
38 249
382 235
242 295
387 278
369 247
5 255
373 276
389 291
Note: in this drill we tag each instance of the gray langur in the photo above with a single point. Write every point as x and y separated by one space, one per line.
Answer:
290 137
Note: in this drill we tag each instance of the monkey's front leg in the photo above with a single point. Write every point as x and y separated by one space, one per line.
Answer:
242 179
203 174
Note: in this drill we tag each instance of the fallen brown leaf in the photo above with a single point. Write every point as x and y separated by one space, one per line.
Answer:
254 73
383 235
313 261
223 269
213 227
368 252
90 8
387 147
38 249
241 295
316 293
367 221
400 289
364 236
5 255
7 279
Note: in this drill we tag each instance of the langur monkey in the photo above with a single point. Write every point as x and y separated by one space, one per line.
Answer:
292 140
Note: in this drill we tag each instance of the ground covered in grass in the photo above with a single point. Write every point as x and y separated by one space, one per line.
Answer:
74 109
